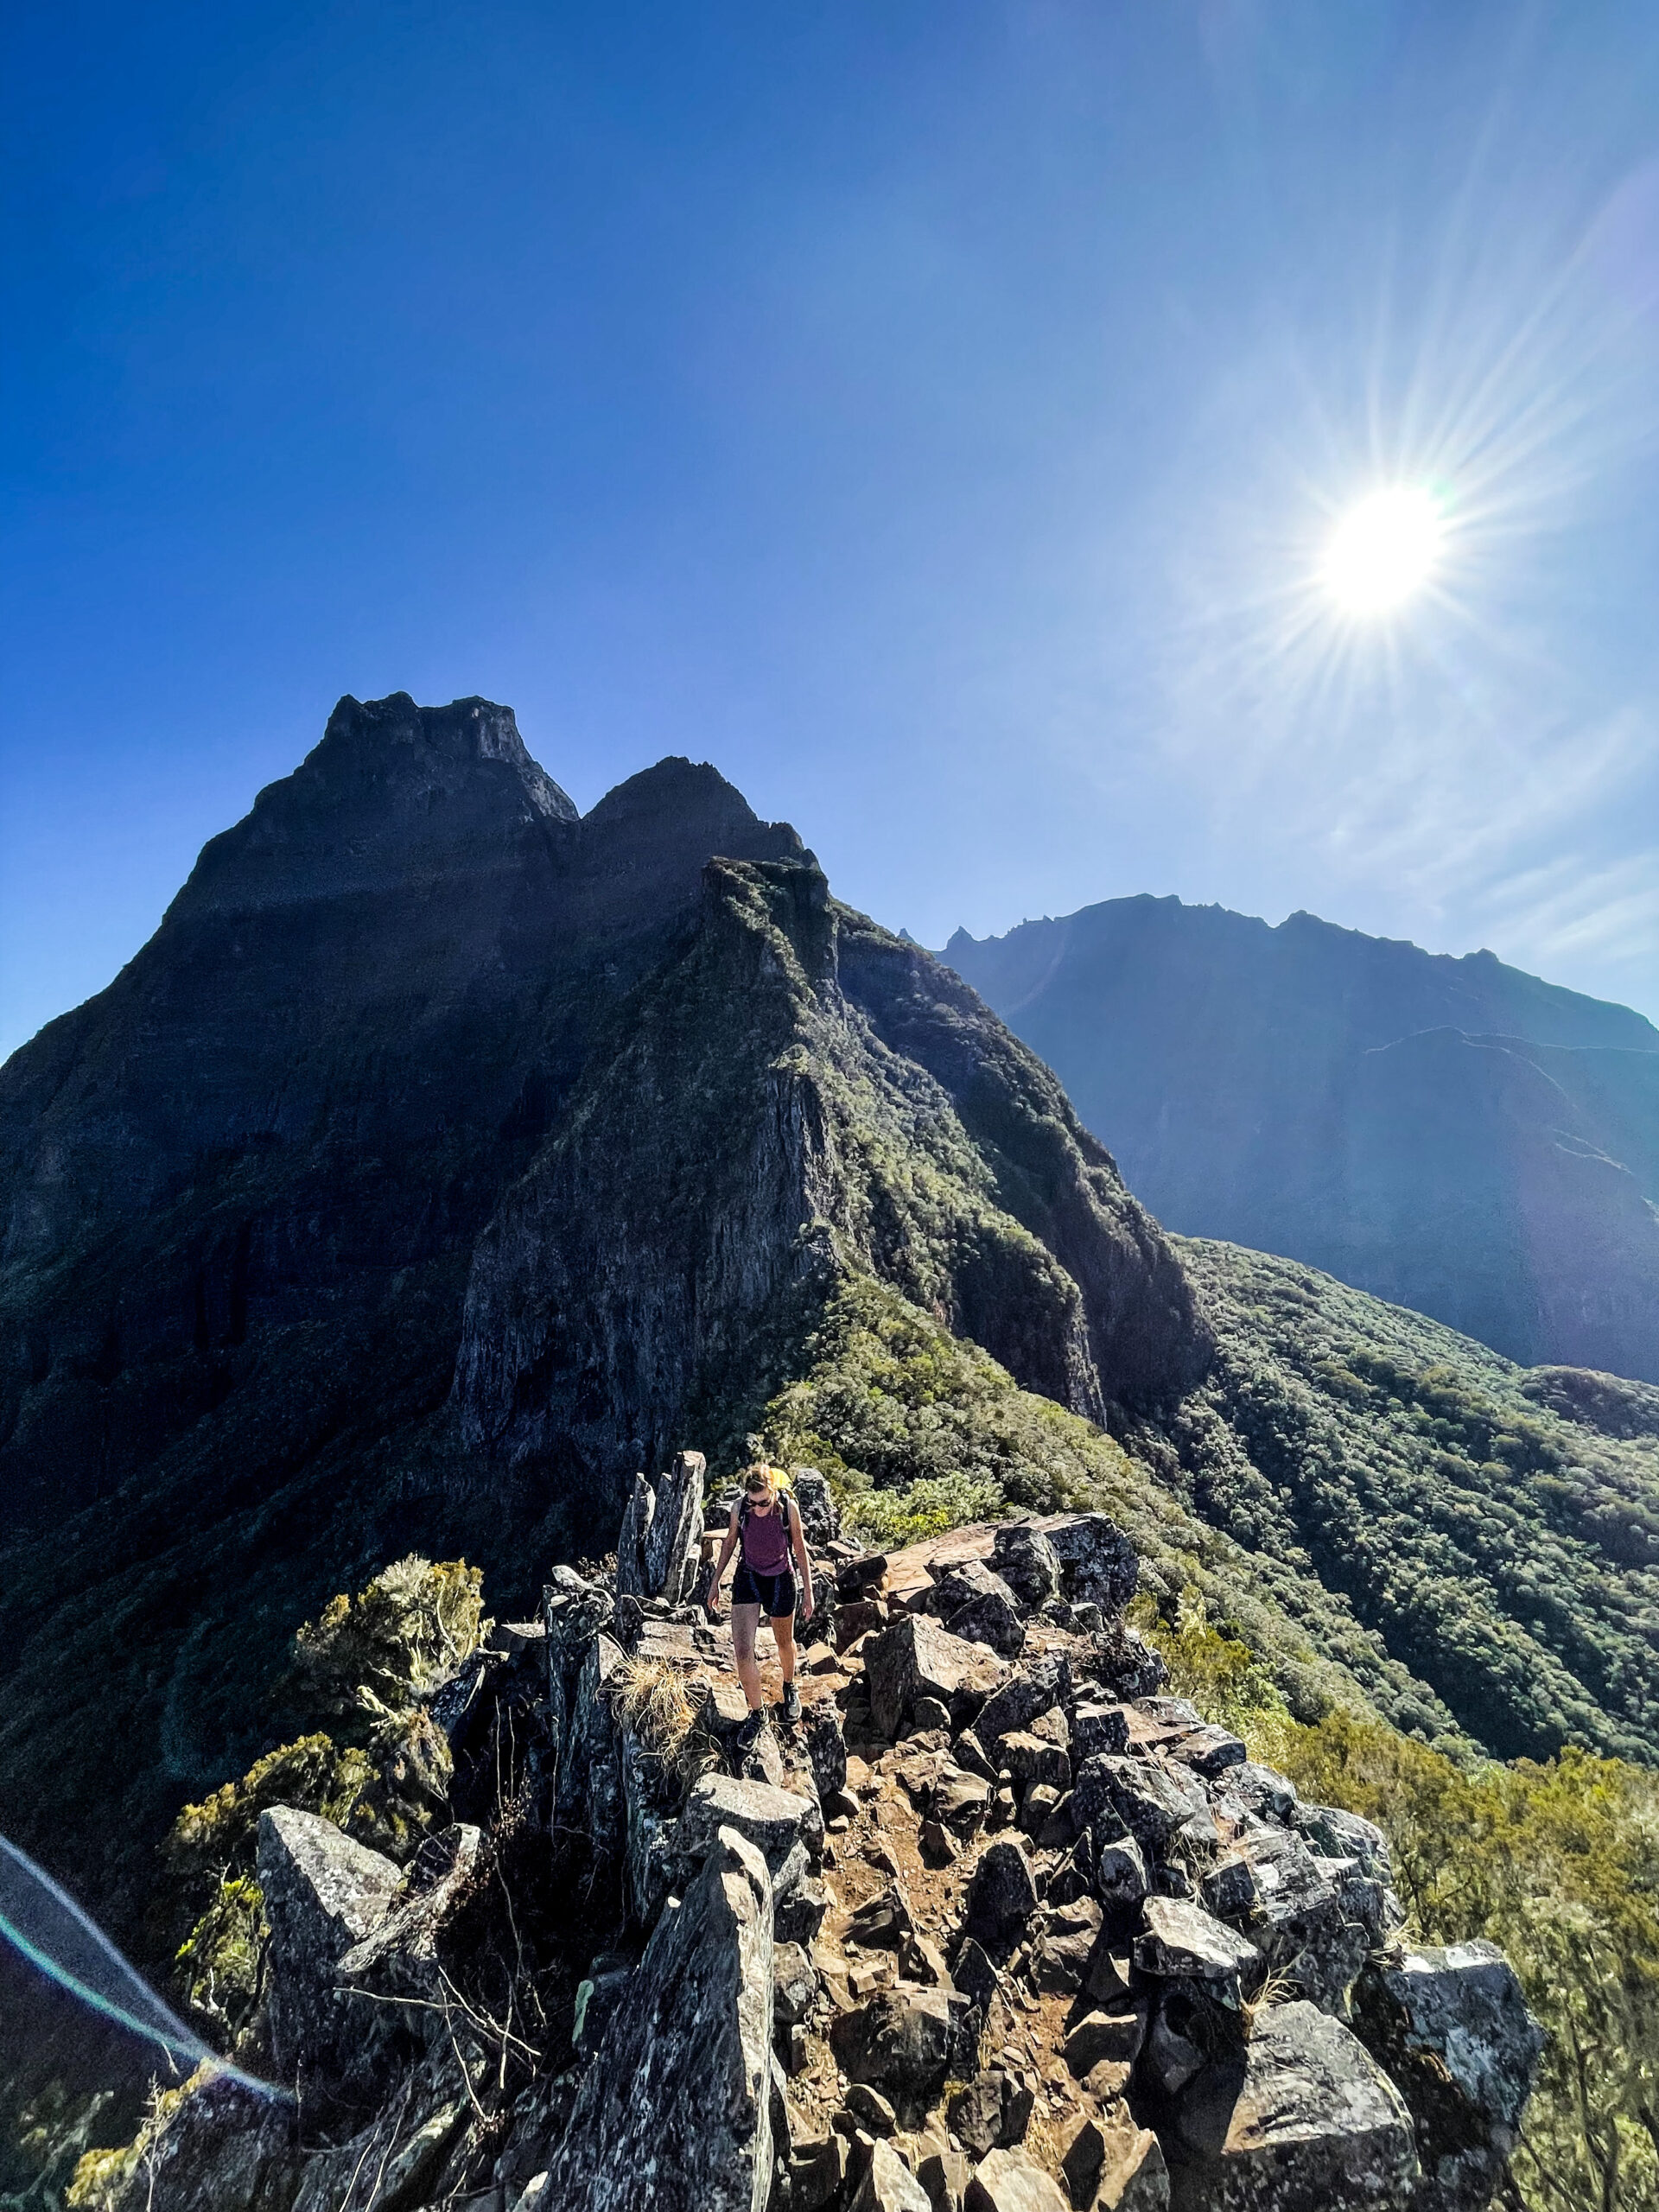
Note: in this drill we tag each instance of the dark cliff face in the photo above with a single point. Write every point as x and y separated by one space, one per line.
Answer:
352 1027
793 1095
1451 1134
413 1023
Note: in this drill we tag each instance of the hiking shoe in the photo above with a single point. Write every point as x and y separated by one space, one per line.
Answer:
749 1734
792 1702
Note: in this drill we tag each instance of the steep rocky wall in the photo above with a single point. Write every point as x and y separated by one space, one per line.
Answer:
302 1097
794 1094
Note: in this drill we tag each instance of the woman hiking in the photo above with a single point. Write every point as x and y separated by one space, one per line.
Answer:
766 1524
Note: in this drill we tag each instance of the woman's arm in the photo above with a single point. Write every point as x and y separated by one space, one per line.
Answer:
726 1551
797 1537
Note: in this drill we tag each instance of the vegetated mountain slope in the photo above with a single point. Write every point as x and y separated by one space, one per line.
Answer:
793 1097
409 997
445 1158
1452 1134
1498 1528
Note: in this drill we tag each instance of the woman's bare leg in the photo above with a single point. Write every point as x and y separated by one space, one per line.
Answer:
745 1619
783 1629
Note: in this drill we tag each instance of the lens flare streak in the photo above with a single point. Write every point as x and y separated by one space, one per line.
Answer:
43 1923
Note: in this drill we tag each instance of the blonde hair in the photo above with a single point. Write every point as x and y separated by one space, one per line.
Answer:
777 1476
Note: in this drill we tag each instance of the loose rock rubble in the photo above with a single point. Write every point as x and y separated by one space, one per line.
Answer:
996 1927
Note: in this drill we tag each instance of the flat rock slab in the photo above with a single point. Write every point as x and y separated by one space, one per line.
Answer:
1116 2037
773 1820
1183 1941
1007 2181
1304 2121
674 2115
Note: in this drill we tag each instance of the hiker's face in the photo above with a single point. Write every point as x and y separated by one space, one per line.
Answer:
762 1501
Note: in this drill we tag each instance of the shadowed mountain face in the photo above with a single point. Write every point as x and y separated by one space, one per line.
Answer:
354 1024
1451 1135
421 1068
793 1095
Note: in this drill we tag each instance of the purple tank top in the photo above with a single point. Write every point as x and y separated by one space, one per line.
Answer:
765 1539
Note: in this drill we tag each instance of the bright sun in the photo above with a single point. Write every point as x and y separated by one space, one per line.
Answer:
1383 549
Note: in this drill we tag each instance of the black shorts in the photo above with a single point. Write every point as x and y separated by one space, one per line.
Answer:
774 1593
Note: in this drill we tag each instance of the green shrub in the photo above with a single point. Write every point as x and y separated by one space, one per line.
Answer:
376 1653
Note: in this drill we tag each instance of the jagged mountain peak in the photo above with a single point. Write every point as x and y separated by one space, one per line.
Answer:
393 737
393 793
678 809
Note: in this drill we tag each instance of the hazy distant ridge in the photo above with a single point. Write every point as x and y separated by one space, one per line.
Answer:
1452 1134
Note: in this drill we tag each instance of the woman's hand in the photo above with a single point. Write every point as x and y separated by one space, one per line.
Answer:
807 1607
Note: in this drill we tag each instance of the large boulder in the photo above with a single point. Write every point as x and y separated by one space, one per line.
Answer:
820 1517
672 1554
1452 2028
1028 1562
323 1893
826 1746
918 1658
888 2185
904 2041
1036 1689
633 1538
1302 2119
977 1604
1123 1663
673 2115
1002 1895
1300 1919
659 1545
1116 1794
1098 1565
590 1800
1182 1942
774 1821
1007 2181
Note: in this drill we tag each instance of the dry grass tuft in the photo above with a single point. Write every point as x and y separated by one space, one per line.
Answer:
657 1700
1277 1989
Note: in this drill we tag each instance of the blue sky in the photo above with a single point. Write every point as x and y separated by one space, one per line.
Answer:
933 414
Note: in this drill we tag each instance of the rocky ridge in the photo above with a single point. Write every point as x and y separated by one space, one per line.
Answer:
995 1926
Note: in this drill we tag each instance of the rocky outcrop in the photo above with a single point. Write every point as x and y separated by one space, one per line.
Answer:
1302 2119
1452 2028
972 1931
323 1894
674 2115
216 2144
659 1550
